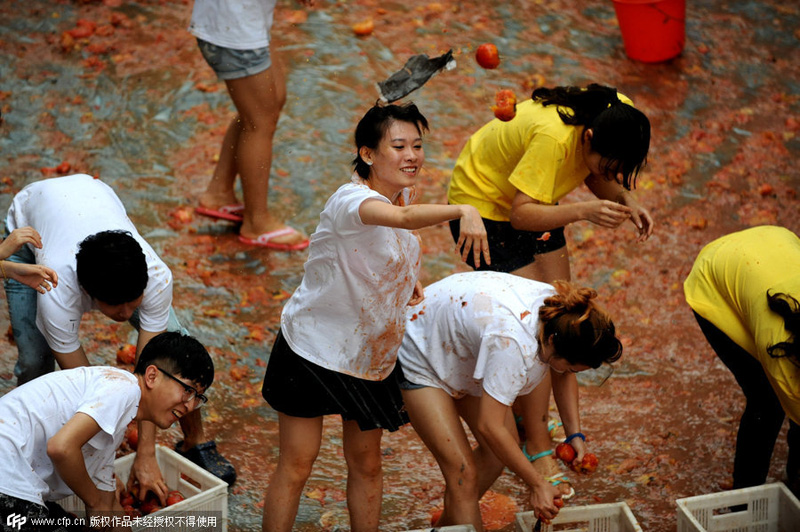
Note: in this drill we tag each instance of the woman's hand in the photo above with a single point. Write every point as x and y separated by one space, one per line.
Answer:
606 213
543 501
472 236
580 449
18 238
40 278
639 216
417 296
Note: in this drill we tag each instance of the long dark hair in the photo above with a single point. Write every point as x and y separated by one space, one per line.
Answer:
787 308
621 133
373 126
582 332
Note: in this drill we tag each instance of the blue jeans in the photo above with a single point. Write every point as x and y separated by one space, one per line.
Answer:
35 357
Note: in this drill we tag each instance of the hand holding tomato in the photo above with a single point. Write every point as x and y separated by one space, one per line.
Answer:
587 465
559 503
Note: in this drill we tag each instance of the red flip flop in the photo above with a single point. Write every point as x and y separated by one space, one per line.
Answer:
232 213
264 240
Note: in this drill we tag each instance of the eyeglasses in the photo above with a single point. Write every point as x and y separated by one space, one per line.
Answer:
189 393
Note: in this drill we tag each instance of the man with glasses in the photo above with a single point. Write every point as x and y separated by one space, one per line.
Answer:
190 394
61 431
102 264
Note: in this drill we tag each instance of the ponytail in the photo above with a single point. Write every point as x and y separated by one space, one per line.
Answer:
787 308
582 332
621 133
585 104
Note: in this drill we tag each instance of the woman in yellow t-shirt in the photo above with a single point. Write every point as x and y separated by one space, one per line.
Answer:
744 290
516 172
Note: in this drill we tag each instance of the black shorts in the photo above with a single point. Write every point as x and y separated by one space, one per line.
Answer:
511 249
296 387
19 515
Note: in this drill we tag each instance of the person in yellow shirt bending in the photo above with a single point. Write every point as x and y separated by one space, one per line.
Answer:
744 290
516 172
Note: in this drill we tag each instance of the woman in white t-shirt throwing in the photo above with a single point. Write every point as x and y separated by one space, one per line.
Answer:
336 351
479 341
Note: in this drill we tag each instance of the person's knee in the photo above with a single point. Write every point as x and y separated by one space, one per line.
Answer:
295 467
364 463
261 124
32 364
461 476
34 356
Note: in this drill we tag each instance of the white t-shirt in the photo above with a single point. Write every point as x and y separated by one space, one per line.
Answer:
65 210
33 413
237 24
476 332
348 314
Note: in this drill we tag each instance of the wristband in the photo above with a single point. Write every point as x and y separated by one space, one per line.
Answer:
571 437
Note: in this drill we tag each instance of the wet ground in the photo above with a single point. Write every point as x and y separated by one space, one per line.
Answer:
136 105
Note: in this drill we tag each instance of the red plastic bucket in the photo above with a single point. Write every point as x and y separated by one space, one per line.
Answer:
652 30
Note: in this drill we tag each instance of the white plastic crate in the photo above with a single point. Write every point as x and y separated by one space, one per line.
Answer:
767 508
451 528
206 495
613 517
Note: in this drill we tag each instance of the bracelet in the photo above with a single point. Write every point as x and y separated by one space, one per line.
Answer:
2 269
571 437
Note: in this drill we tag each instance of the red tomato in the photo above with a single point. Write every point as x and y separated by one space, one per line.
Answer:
174 497
126 354
82 22
504 112
435 515
150 504
487 57
587 465
765 189
506 105
565 452
182 215
364 28
131 511
81 32
126 499
132 435
505 97
559 502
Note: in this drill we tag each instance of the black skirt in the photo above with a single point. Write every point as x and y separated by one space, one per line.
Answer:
296 387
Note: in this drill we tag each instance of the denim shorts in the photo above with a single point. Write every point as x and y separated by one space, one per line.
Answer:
406 384
234 64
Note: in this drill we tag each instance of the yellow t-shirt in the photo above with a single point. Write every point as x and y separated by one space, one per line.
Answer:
535 153
728 286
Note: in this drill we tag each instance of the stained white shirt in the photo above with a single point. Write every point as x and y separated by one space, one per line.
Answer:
237 24
476 332
348 314
33 413
65 210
